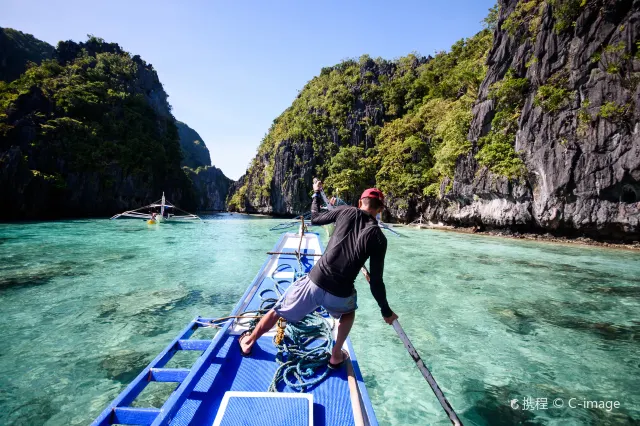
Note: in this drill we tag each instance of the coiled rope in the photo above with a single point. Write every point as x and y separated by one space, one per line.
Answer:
304 347
304 350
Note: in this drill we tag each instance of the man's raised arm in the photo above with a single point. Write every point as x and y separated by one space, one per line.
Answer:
318 217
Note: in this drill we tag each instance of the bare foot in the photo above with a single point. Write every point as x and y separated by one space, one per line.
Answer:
245 343
337 357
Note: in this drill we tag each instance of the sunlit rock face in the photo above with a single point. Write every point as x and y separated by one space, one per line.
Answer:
583 156
576 131
211 187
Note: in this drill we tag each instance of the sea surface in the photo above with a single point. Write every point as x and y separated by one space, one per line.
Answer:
510 329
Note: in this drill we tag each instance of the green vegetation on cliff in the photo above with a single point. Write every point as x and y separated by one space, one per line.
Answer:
417 151
85 112
527 17
398 124
497 148
17 49
95 116
194 151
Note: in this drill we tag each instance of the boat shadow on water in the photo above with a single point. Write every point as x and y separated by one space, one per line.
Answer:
124 365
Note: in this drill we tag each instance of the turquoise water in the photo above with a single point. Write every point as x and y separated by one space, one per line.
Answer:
86 304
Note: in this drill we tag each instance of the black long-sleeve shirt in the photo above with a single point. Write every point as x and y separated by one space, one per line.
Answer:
356 238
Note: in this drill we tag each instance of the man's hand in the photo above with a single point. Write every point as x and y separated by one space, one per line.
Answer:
391 319
366 274
317 185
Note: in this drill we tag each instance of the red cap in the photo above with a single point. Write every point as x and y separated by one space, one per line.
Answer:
373 193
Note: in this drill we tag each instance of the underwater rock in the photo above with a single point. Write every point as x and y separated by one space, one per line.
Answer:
124 365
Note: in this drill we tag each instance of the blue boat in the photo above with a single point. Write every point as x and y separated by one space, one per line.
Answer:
224 388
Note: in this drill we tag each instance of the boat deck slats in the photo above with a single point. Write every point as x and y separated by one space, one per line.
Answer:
135 416
221 368
168 374
193 345
120 412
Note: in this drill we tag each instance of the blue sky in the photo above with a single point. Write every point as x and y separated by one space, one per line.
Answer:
231 67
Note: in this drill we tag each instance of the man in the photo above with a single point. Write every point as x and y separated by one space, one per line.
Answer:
357 237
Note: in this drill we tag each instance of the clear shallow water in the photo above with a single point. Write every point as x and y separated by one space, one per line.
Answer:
86 304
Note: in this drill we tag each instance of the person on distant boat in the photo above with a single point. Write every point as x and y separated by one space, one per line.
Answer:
153 216
165 214
357 237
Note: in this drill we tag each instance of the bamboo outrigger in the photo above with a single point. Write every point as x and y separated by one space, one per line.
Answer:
159 211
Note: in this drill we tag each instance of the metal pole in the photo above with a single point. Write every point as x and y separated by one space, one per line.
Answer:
423 368
426 374
295 253
358 417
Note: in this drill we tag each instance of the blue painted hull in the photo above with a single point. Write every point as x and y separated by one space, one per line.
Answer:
221 368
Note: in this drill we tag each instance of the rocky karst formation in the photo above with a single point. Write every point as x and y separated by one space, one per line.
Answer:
17 49
194 151
578 131
211 187
559 105
334 110
87 131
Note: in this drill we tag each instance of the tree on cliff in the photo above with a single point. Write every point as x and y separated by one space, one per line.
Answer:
397 124
87 133
17 49
531 126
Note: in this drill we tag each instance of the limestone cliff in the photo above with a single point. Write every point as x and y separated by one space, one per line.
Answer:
551 135
87 131
578 131
194 151
336 109
17 49
87 134
211 187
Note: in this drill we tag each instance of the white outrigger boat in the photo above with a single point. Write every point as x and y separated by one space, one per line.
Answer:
285 381
159 211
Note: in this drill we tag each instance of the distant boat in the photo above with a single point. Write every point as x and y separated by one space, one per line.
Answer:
159 211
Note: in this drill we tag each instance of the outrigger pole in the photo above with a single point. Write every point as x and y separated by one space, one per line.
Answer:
423 368
163 204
